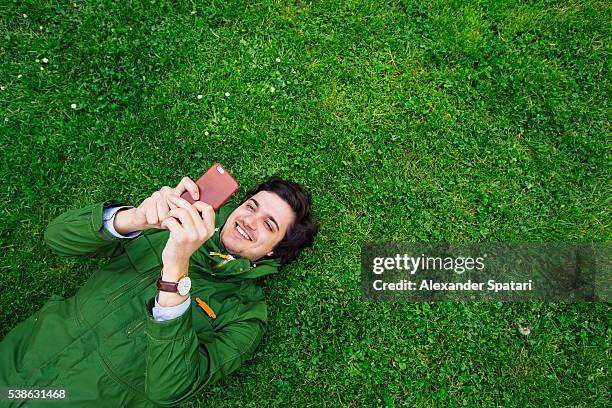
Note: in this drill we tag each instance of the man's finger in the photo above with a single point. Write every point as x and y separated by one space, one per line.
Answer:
172 224
162 208
182 203
207 214
196 221
168 191
183 216
187 184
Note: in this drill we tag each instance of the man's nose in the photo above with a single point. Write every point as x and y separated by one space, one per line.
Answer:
250 222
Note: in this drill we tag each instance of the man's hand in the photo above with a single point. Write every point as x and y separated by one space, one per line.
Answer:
154 209
190 226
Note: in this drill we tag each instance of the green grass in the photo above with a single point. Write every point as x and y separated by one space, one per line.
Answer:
409 121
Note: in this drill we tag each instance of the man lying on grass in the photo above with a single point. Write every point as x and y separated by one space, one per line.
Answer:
119 341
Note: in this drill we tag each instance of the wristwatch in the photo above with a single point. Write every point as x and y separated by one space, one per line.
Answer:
182 287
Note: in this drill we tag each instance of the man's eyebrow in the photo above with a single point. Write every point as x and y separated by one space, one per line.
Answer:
271 217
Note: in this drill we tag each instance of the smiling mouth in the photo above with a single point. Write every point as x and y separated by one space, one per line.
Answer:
242 232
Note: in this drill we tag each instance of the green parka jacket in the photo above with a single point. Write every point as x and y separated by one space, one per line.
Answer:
103 346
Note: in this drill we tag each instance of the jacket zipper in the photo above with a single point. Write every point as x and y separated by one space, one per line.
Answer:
118 295
220 264
135 328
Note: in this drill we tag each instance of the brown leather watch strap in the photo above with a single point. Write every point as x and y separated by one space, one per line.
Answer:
167 286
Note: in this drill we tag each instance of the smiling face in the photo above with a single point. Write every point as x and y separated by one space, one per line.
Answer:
254 228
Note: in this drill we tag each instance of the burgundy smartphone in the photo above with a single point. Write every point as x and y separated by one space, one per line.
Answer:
216 187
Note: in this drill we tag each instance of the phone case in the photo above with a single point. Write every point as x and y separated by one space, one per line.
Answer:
216 187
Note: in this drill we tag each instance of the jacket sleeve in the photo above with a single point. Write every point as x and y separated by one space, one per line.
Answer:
181 362
81 232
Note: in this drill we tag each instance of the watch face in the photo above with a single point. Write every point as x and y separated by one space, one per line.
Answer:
184 286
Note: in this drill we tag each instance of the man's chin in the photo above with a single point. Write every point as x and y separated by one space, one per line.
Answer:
232 246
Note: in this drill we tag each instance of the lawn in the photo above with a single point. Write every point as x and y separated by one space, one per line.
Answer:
441 121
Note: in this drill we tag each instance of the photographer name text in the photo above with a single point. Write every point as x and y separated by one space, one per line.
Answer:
430 285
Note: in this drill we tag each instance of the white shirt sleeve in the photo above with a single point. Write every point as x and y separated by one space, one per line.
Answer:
109 219
171 312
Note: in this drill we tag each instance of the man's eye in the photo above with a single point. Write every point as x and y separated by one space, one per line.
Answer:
269 226
250 206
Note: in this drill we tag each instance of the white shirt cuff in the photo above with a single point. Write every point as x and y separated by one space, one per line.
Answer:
109 220
161 313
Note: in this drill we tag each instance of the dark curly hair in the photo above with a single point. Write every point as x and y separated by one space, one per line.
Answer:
302 232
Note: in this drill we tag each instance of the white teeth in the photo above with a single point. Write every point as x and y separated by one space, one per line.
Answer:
241 231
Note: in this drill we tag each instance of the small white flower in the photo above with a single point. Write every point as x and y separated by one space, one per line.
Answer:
25 15
42 69
200 96
73 106
19 76
193 11
2 88
272 89
227 94
524 330
37 60
277 59
44 60
40 27
206 133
